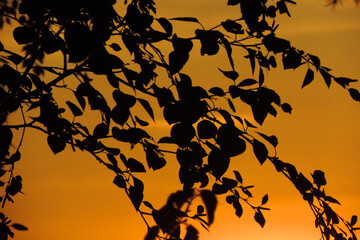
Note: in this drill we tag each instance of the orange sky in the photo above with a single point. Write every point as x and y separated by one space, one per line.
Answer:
71 196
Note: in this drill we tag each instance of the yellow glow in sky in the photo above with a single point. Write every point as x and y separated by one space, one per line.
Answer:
71 196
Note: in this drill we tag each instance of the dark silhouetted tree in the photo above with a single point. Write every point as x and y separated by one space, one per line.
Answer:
93 39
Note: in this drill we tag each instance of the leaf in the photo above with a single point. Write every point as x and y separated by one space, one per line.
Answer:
344 81
74 109
113 80
136 193
315 60
238 208
319 178
355 94
210 202
219 189
231 105
327 76
218 162
147 107
286 108
275 44
192 233
249 124
353 220
232 27
141 122
309 77
260 151
101 130
119 181
56 143
182 134
217 91
19 227
261 77
233 75
135 166
264 199
272 139
206 129
146 203
152 233
247 82
259 218
23 35
166 25
238 176
185 19
115 47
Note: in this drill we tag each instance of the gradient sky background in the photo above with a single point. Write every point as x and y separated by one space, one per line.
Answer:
71 196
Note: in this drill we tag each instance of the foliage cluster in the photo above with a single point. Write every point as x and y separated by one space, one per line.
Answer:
91 37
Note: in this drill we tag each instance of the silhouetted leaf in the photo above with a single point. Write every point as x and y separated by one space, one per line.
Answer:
217 91
166 25
141 122
286 108
146 203
152 233
232 26
259 218
353 220
74 109
229 183
115 47
218 162
226 115
326 75
210 202
315 60
166 140
120 114
249 124
206 129
219 189
238 208
332 200
113 80
231 105
344 81
238 176
185 19
56 143
177 60
291 59
319 178
182 134
233 75
135 166
101 130
233 2
19 227
192 233
23 35
119 181
260 151
147 107
136 193
275 44
154 159
247 82
272 139
264 199
309 77
355 94
261 77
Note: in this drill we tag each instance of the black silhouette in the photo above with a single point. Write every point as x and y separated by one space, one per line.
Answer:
89 35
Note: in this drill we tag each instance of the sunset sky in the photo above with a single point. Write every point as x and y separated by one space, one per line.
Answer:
71 196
